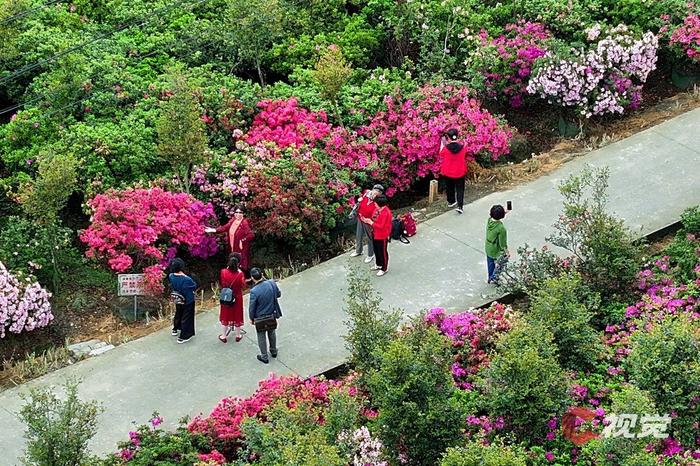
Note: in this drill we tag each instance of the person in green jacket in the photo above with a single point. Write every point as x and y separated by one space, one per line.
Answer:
496 241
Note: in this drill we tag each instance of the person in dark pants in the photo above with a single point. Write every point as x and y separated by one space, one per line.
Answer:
453 168
184 313
264 310
381 227
496 242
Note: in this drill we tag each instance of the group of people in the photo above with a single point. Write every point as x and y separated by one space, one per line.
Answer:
263 307
374 225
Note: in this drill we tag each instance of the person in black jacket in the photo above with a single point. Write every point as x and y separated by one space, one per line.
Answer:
264 310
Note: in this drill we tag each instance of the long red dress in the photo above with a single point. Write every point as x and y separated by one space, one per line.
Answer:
232 314
243 234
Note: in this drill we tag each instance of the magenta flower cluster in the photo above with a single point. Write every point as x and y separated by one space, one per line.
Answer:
686 38
400 144
24 305
473 335
286 124
606 78
510 58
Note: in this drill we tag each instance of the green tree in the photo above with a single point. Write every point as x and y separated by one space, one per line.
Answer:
182 139
332 73
254 26
478 454
58 430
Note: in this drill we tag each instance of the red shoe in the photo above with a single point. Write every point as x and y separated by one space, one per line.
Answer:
222 339
238 339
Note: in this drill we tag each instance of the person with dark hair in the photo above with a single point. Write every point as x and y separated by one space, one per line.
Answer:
453 167
264 310
180 282
239 235
381 226
231 313
366 207
496 241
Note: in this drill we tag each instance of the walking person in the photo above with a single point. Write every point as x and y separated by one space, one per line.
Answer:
183 284
231 313
365 210
381 227
453 167
239 236
496 242
263 311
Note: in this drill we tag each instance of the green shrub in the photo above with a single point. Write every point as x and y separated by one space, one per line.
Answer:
616 450
524 382
413 390
370 328
644 15
665 362
684 252
58 430
565 306
604 250
532 268
478 454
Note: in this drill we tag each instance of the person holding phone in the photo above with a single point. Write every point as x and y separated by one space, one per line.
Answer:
239 236
366 207
496 242
453 168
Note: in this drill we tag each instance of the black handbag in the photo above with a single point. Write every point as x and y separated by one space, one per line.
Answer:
265 323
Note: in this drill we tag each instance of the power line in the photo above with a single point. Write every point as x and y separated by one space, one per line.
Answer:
38 63
9 19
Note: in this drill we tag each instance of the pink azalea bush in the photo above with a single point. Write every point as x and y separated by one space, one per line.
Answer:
286 124
473 335
400 144
605 78
223 426
685 39
133 228
223 181
506 61
23 306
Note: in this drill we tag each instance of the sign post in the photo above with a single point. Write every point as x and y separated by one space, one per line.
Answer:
132 284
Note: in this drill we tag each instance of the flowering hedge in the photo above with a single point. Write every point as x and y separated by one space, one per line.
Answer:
400 144
286 124
23 306
141 229
506 61
685 39
605 78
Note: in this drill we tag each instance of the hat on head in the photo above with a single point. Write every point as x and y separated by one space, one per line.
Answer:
378 187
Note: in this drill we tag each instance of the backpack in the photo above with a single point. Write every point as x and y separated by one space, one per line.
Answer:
409 224
398 230
226 296
177 298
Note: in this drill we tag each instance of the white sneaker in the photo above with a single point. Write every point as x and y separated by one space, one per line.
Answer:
452 205
369 259
375 267
355 254
381 272
459 210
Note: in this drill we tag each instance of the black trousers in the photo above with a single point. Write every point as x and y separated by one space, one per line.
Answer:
381 253
455 187
184 320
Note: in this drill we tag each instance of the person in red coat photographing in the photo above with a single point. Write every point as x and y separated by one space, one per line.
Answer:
381 227
239 235
453 167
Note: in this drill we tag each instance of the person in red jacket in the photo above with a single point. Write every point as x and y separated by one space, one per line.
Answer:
381 226
453 168
365 210
238 236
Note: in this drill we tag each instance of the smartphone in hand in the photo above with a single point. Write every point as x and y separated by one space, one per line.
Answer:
509 205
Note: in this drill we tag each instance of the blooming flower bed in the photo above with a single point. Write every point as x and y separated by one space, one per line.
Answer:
23 306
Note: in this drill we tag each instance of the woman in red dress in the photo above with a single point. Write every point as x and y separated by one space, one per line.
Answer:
231 315
238 236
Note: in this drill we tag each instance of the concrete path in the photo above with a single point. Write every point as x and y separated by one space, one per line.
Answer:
655 175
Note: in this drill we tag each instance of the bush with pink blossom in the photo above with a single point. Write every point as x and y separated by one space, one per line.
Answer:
138 229
286 124
24 304
605 77
684 39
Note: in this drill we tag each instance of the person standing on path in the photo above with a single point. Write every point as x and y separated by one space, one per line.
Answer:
496 241
264 310
184 313
381 227
453 167
366 209
239 235
231 315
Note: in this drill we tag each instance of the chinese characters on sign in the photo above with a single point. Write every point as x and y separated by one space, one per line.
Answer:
131 284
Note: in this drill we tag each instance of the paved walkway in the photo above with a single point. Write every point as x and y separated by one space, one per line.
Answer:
655 175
